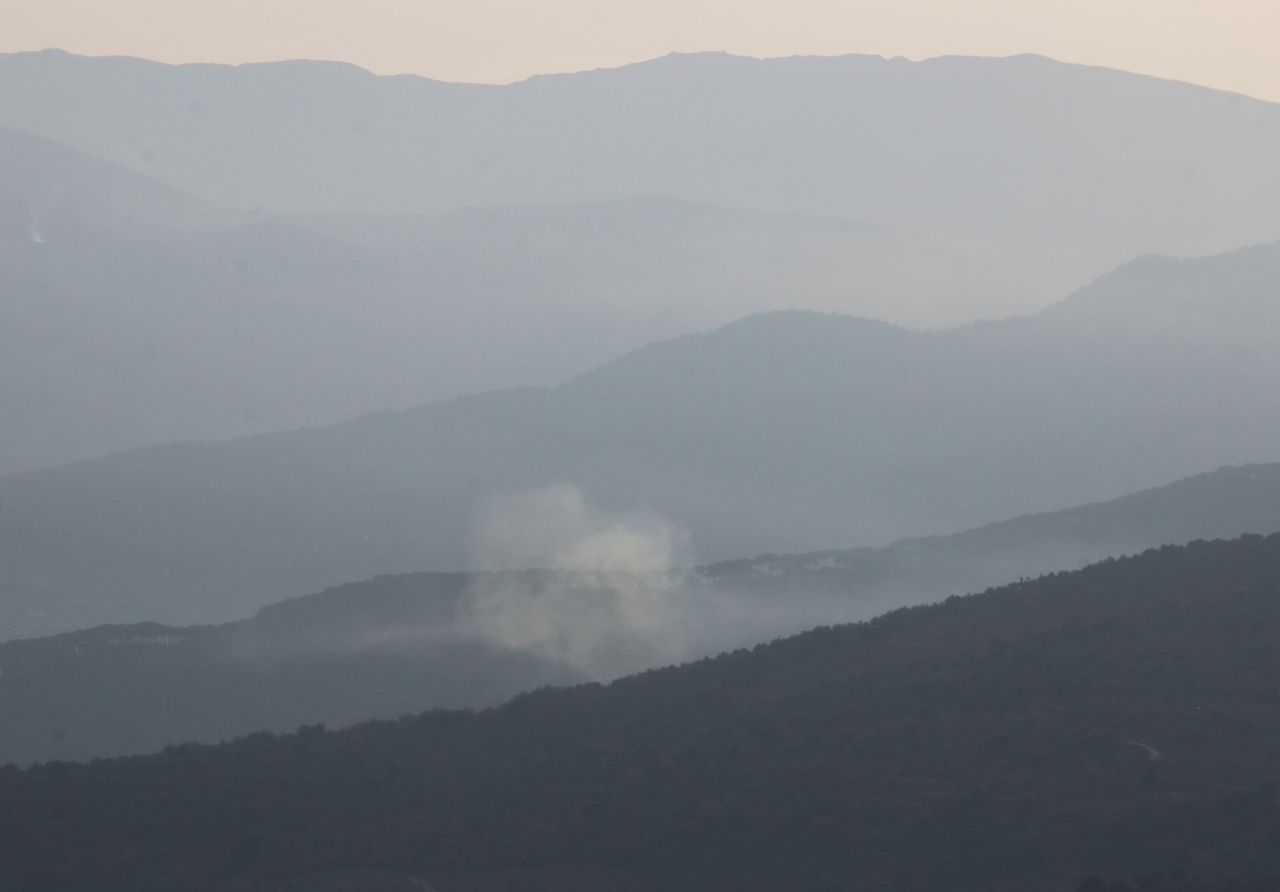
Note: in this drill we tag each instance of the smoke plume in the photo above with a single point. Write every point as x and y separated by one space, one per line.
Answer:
604 598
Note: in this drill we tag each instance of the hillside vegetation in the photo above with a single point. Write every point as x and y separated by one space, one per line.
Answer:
1118 720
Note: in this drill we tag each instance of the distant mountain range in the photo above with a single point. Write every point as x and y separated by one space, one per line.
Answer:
1115 722
135 314
204 252
1080 167
786 432
399 644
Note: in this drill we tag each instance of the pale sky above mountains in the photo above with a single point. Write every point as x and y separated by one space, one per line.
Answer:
1229 44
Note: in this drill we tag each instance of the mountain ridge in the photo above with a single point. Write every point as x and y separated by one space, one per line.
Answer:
675 56
998 87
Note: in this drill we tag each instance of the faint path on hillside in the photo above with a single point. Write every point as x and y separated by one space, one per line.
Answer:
1153 754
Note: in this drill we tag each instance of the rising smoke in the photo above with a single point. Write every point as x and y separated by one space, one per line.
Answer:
605 599
616 591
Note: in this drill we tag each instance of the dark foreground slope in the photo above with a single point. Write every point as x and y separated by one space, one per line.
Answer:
401 644
1116 720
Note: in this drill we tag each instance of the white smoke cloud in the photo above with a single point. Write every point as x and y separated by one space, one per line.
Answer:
604 600
610 594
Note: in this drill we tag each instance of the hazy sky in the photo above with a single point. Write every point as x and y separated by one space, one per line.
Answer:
1233 44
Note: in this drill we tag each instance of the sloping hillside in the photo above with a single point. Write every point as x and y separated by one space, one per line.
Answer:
401 644
50 192
1118 720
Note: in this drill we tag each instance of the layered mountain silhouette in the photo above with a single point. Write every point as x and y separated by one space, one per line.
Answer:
781 433
1115 721
401 644
135 314
590 383
203 252
1084 167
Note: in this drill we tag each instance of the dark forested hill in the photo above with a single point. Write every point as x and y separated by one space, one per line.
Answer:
787 432
1114 721
399 644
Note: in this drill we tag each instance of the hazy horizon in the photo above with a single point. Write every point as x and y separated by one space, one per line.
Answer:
629 63
1224 46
